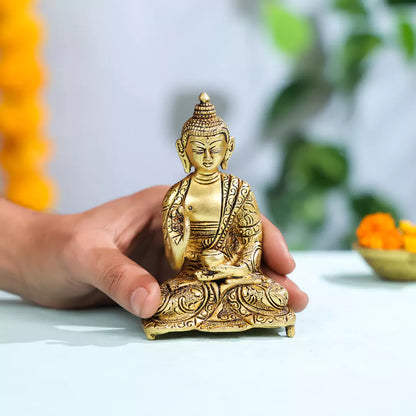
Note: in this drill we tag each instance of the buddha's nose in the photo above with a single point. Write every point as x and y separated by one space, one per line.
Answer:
207 154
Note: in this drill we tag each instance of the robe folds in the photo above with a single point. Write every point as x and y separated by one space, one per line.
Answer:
219 305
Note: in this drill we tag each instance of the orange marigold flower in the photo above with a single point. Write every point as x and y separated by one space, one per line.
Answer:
379 231
22 116
9 7
409 231
410 243
24 155
20 30
407 227
21 71
33 190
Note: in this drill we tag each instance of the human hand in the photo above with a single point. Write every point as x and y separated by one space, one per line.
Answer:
113 253
105 255
277 263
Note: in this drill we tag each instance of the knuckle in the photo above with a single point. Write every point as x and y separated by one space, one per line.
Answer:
78 243
75 243
79 248
162 189
113 279
156 193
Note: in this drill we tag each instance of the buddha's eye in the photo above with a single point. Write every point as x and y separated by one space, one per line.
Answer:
199 151
215 150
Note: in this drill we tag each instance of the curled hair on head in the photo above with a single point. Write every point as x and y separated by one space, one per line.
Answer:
205 123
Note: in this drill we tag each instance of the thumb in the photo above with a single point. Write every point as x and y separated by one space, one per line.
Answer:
127 283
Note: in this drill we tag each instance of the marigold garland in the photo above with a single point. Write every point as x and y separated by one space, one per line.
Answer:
24 149
379 231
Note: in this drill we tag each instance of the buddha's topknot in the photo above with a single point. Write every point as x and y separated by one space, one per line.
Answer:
205 121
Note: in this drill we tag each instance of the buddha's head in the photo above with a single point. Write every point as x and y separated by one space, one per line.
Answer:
205 142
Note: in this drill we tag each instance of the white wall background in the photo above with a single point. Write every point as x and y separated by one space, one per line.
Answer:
116 72
124 76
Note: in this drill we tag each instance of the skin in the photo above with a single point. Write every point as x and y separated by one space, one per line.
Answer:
114 252
111 253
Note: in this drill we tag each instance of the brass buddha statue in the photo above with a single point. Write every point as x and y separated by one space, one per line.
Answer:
213 237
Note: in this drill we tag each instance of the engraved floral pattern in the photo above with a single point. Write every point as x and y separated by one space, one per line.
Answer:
188 303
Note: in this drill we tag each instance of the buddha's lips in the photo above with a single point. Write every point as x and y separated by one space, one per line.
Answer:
208 164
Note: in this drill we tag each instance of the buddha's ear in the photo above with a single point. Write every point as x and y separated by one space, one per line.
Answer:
228 153
183 156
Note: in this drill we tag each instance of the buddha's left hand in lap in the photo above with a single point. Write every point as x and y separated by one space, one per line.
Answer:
111 253
224 271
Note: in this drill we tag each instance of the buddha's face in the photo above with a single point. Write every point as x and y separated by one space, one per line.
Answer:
206 153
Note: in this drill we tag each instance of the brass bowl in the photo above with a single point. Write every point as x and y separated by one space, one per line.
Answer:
397 265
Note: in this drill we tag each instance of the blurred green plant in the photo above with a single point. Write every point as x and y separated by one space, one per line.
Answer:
313 169
355 7
291 33
407 37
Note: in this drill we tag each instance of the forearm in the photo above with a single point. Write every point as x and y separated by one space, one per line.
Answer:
17 227
81 260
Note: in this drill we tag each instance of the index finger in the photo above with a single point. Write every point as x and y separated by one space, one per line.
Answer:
275 251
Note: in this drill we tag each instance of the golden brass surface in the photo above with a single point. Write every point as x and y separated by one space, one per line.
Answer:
397 265
213 236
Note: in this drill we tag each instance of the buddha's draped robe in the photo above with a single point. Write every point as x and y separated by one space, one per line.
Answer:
188 303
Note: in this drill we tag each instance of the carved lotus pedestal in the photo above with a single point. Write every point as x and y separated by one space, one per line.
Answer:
221 307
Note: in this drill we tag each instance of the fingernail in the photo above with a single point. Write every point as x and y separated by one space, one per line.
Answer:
137 300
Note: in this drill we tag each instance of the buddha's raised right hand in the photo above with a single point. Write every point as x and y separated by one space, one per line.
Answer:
177 238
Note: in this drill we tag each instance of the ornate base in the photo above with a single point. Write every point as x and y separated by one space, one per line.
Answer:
224 307
152 332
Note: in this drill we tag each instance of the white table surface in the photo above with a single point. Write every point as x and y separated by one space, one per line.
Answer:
353 354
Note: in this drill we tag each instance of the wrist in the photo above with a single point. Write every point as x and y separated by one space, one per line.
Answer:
16 225
29 244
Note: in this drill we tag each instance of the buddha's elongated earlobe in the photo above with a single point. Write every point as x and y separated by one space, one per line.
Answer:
180 147
228 153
